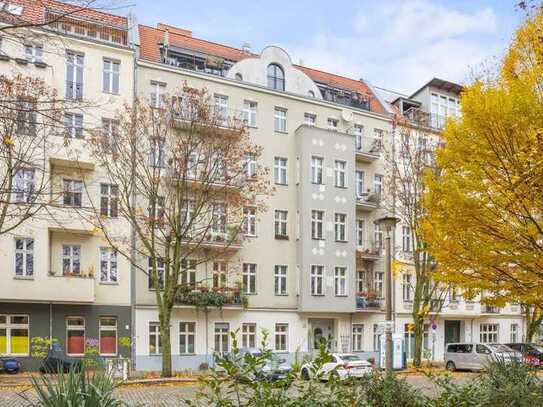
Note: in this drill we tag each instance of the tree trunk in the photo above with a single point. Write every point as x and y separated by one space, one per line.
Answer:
533 317
419 334
166 343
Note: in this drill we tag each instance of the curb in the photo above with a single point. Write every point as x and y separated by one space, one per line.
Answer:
160 381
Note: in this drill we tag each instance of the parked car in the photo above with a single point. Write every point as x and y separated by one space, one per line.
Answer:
532 354
275 368
476 356
10 365
57 360
344 364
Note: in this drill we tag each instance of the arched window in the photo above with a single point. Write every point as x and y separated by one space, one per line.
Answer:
276 77
239 77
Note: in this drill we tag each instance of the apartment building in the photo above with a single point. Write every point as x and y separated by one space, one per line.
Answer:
60 278
312 265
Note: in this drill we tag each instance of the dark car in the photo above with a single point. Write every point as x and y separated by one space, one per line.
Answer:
57 361
531 353
10 365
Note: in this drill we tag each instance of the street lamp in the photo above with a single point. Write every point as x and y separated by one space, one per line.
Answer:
389 223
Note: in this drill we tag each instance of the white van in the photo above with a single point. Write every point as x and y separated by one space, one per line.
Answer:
476 356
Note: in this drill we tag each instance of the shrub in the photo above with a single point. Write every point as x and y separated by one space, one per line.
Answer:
76 388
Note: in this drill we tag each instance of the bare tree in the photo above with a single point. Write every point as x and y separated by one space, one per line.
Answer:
407 158
184 176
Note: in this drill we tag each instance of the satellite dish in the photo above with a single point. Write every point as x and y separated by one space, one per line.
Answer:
347 115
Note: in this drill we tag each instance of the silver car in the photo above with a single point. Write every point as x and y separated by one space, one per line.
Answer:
477 356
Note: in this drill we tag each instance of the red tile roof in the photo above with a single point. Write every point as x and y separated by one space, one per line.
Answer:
34 12
151 37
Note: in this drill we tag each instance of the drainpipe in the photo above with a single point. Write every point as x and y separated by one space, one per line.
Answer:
50 325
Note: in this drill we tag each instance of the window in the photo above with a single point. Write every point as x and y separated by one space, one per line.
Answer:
73 193
222 337
407 288
406 238
14 335
155 343
317 280
24 258
280 120
341 178
74 75
276 77
156 152
360 188
71 259
110 131
358 338
378 283
340 220
155 210
111 76
109 199
248 335
280 280
378 184
249 113
360 226
513 336
376 338
187 331
221 107
340 281
360 281
332 124
249 278
442 106
281 337
24 185
488 333
160 270
158 92
358 131
74 125
317 164
377 144
26 118
188 215
34 53
108 265
108 336
75 336
250 166
378 235
281 224
219 274
280 171
310 119
188 272
249 221
218 221
317 224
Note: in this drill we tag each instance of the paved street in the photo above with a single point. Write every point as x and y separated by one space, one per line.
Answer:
173 394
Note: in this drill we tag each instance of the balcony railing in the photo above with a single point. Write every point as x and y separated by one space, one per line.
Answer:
367 149
204 297
424 119
74 90
370 250
364 302
489 309
221 117
368 201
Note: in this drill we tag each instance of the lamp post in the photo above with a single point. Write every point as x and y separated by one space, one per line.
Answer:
389 223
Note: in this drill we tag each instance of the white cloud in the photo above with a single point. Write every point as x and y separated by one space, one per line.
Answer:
402 44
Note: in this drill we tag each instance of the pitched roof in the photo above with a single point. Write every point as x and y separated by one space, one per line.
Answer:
151 38
33 12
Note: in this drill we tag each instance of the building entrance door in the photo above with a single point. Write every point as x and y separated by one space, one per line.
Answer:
452 332
322 329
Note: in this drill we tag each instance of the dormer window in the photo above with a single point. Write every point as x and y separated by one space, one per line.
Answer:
276 77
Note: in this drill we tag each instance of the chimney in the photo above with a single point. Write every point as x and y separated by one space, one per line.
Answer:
174 30
246 48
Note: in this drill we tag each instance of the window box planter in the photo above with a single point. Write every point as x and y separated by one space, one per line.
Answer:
40 64
21 61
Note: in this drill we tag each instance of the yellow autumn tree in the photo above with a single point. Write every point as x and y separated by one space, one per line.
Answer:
485 207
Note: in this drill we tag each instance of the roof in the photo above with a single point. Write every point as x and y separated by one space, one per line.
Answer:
443 85
152 38
33 12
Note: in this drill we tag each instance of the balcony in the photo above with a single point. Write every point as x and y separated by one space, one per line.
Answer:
208 64
489 309
367 149
345 97
368 201
421 118
204 297
218 120
368 302
216 240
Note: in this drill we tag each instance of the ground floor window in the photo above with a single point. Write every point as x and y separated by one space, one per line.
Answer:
376 338
155 343
187 331
514 333
281 336
409 335
488 333
358 337
14 330
221 337
75 336
248 335
108 336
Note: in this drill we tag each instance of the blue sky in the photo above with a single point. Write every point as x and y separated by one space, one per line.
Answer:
398 44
